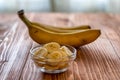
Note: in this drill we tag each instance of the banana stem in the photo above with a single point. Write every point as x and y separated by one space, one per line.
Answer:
23 18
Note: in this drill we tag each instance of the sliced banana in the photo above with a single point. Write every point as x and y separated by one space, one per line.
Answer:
52 62
54 55
54 58
42 52
63 53
64 56
52 46
66 50
38 64
39 56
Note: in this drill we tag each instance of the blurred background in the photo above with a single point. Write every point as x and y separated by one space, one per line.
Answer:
84 6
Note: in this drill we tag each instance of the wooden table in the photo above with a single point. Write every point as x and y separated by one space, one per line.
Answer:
99 60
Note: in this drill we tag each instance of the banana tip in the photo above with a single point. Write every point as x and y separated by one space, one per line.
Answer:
21 12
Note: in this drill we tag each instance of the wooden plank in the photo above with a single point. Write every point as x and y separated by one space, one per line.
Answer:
13 53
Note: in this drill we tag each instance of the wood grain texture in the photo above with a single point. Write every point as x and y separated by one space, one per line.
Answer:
99 60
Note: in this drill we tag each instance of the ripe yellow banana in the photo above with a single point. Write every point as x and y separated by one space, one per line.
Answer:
61 29
52 28
75 38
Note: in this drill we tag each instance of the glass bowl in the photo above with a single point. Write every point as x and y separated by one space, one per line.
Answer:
53 66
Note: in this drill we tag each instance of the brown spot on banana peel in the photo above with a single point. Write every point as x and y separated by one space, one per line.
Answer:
35 31
84 41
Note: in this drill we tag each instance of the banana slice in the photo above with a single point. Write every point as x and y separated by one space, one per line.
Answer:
64 56
38 64
66 50
42 52
54 56
52 46
39 56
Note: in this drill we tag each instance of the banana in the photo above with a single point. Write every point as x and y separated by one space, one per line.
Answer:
75 38
52 28
52 46
60 29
